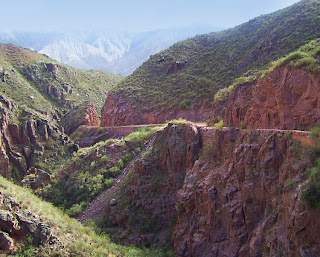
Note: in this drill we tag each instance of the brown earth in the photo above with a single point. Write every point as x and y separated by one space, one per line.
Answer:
285 99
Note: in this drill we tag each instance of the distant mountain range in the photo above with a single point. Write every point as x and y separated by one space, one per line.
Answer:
117 52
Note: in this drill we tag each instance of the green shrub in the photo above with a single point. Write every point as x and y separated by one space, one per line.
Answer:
223 93
314 132
75 209
185 104
311 192
108 182
114 171
219 124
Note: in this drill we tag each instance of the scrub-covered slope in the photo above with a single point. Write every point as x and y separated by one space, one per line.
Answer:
32 79
182 80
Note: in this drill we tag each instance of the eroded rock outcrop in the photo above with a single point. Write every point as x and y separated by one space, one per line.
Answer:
240 197
118 111
153 186
237 201
22 140
83 114
17 223
285 98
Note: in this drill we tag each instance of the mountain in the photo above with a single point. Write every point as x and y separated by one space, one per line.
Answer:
117 52
183 79
180 189
36 92
46 84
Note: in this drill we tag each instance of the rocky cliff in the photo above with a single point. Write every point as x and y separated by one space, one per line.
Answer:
118 111
286 98
83 114
222 192
28 142
146 204
243 198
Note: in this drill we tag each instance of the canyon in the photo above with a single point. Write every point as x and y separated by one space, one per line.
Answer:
210 148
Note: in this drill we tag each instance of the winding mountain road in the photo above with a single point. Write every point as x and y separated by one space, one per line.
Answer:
96 208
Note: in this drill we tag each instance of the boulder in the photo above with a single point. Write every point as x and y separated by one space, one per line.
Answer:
113 202
6 242
8 222
51 67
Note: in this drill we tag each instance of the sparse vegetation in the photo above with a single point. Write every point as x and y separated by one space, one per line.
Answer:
314 133
92 169
77 239
207 152
215 60
219 124
311 192
41 88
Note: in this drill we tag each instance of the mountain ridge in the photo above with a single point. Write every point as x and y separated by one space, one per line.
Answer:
117 52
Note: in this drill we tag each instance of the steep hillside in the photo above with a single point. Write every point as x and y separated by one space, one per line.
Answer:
35 93
187 75
286 97
91 170
45 84
32 227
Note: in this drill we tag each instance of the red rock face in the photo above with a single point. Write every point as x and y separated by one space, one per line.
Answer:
285 99
235 200
84 114
4 159
118 111
153 186
91 117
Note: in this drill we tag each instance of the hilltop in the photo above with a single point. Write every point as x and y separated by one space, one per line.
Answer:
182 80
47 85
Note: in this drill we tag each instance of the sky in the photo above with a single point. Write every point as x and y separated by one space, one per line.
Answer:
130 15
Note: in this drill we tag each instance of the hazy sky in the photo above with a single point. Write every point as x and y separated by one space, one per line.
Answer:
136 15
